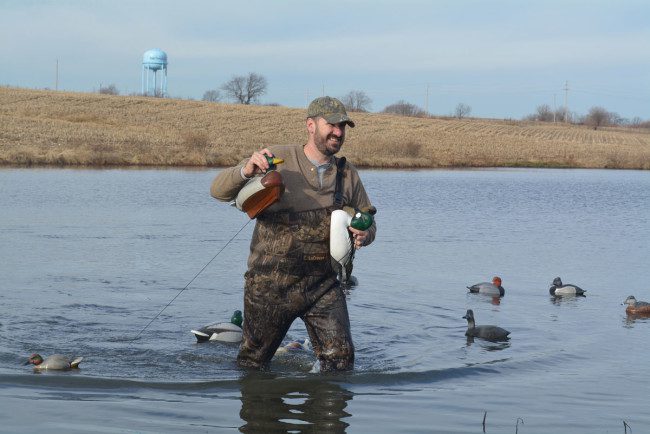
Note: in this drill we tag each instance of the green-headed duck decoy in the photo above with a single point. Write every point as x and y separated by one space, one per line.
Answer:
54 362
487 332
222 331
558 288
494 288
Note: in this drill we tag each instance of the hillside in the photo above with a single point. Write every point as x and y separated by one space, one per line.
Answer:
61 128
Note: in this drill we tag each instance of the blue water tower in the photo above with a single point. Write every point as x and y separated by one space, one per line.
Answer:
154 60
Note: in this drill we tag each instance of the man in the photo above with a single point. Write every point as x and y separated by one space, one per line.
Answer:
290 274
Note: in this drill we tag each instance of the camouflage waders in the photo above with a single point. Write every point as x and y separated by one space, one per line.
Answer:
292 277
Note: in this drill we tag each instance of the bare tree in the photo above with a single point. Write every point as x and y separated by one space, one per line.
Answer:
212 96
245 89
636 122
597 117
111 89
462 110
404 108
356 101
544 113
616 119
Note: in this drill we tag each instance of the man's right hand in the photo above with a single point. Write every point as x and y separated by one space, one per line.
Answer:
257 163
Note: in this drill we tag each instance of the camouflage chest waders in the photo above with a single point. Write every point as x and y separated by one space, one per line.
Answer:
292 277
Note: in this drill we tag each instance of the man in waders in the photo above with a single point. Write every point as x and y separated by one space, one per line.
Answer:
290 274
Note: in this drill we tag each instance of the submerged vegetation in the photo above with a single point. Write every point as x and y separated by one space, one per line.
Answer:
40 127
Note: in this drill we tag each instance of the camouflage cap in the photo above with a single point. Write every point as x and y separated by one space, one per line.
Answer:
330 109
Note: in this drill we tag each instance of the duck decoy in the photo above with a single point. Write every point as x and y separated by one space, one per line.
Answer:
53 362
559 289
222 331
341 242
262 190
295 346
487 332
494 288
635 307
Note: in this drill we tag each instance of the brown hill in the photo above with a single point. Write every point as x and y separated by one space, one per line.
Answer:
61 128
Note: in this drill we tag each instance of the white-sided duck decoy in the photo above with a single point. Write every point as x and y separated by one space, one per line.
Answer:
487 332
221 331
558 288
635 307
494 288
53 362
295 346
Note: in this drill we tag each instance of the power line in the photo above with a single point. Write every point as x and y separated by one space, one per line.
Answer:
566 98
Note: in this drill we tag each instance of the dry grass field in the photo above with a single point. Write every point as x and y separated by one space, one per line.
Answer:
61 128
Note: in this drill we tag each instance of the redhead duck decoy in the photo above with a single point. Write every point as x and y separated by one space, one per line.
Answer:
635 307
487 332
54 362
488 288
559 289
222 331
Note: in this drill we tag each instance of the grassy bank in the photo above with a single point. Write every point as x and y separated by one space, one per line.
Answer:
61 128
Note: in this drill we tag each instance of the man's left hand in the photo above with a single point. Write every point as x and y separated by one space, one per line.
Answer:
359 237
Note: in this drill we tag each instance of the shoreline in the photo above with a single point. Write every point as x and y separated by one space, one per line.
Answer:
361 168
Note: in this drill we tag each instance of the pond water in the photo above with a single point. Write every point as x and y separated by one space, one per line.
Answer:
90 257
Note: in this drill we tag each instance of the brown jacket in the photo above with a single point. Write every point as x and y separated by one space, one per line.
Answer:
302 187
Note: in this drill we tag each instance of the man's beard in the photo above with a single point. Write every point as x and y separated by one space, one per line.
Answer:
326 148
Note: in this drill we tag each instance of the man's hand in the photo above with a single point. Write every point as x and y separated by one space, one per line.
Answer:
359 237
257 163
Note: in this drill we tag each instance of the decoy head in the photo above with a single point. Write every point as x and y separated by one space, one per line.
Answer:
496 281
363 218
469 316
237 318
557 282
369 210
273 161
631 300
34 359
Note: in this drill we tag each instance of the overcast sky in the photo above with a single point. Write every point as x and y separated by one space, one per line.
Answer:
502 58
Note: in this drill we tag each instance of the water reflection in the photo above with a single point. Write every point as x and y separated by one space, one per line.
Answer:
489 345
566 299
492 299
303 405
631 319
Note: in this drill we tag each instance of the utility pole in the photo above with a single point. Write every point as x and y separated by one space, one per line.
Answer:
56 81
323 90
426 101
566 106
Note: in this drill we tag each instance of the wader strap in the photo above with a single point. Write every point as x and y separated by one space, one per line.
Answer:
338 192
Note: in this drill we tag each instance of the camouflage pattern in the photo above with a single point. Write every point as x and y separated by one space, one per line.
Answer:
331 109
292 277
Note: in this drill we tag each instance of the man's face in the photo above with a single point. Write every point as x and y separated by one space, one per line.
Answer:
329 137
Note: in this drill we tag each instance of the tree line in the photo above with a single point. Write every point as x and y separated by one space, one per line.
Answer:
596 117
247 89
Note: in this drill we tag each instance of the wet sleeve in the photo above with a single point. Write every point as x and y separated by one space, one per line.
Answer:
228 182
